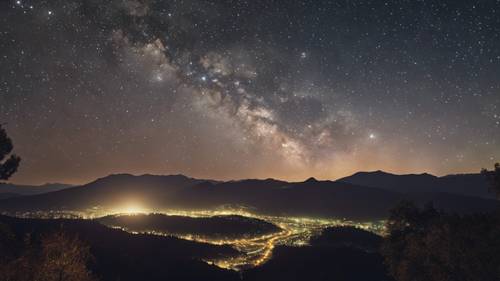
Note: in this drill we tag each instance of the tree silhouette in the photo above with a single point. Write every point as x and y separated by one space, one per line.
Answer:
64 258
8 162
493 178
56 257
428 245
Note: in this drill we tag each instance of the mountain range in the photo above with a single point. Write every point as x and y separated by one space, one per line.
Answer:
462 184
13 190
368 195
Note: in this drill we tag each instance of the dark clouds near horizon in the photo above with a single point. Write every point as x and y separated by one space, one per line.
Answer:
239 89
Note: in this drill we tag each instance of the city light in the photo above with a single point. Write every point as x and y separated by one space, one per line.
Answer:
255 250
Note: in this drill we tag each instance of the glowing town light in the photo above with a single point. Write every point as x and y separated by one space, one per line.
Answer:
130 208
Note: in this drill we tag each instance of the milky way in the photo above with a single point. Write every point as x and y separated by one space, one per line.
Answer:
243 89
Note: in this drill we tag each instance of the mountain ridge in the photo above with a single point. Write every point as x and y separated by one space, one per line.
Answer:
310 198
463 184
21 189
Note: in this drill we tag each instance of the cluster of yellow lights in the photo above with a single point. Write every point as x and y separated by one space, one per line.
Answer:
133 209
255 250
129 207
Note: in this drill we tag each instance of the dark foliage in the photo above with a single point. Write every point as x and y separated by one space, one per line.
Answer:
8 244
8 162
122 256
209 227
494 179
50 257
428 245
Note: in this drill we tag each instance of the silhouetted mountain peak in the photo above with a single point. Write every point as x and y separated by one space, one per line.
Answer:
380 173
427 175
371 173
115 176
126 177
256 181
311 180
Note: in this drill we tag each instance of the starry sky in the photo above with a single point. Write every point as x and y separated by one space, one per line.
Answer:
249 89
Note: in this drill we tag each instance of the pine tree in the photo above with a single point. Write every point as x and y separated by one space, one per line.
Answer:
8 161
494 179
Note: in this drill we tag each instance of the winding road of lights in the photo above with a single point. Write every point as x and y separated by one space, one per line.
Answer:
255 250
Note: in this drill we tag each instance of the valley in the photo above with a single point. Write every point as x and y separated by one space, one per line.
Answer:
255 249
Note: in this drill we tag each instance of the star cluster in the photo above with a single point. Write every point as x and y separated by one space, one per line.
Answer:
240 89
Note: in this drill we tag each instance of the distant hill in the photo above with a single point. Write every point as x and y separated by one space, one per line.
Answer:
110 191
462 184
128 257
311 198
338 253
319 263
30 189
7 195
216 227
347 236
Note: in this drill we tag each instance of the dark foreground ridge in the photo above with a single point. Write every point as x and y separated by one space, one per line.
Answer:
119 255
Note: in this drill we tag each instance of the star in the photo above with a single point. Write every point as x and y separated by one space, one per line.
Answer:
296 86
158 77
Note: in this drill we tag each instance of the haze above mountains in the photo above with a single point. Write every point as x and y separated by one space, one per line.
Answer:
364 195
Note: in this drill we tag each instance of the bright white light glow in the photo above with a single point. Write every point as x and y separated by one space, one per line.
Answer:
131 208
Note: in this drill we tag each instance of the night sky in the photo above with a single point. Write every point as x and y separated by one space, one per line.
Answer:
249 89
